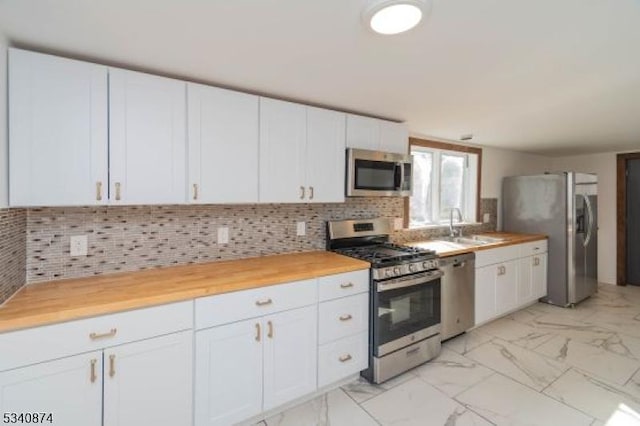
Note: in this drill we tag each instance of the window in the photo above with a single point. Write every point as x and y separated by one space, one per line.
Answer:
445 176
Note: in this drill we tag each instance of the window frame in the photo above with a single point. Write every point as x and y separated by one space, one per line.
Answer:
445 146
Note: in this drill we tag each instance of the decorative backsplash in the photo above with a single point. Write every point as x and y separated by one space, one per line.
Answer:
12 251
142 237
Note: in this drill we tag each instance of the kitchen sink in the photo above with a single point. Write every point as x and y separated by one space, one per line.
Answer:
472 240
486 238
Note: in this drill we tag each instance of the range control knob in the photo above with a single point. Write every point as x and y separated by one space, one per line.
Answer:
396 270
388 273
413 267
426 264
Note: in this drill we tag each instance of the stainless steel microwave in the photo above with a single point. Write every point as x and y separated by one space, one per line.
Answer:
381 174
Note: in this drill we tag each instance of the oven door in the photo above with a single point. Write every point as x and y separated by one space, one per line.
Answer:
405 310
372 173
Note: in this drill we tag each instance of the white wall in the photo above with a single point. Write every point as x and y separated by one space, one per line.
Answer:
4 147
604 165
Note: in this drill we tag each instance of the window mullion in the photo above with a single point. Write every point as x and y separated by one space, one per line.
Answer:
436 187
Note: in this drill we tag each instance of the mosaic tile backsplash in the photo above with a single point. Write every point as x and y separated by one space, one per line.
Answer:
12 251
142 237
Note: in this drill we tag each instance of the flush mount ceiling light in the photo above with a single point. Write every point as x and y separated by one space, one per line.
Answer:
395 16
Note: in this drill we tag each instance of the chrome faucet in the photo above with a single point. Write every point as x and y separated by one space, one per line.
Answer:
452 231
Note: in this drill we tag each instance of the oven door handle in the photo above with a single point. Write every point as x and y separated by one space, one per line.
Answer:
422 278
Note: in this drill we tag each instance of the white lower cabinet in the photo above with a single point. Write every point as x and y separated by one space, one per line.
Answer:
342 358
533 278
506 279
485 297
68 388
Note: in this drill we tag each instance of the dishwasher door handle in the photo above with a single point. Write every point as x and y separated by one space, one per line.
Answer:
460 265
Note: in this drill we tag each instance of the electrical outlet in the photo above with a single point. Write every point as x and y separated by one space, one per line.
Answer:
223 235
398 223
486 218
301 229
79 245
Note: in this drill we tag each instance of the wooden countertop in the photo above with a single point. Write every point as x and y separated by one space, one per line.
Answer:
65 300
509 239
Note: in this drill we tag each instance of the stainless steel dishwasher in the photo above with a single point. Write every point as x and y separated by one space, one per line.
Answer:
458 294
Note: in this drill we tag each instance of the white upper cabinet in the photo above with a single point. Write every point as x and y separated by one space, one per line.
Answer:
377 135
283 127
325 155
147 125
58 132
223 145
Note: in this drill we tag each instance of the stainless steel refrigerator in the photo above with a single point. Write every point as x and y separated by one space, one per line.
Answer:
564 207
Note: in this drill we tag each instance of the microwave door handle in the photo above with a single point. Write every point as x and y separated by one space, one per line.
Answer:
398 176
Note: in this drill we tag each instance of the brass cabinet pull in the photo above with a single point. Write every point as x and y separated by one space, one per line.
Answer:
311 192
264 302
345 358
346 285
98 191
270 331
346 317
94 377
502 270
195 191
110 333
302 192
112 365
118 191
536 261
258 332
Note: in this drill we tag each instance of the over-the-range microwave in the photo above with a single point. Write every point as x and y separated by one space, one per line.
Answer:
375 173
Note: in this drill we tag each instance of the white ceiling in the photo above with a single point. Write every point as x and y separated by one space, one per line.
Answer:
546 76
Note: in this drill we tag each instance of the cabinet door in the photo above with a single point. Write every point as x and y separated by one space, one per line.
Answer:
149 382
282 151
290 355
506 286
325 155
525 284
69 388
223 145
539 275
485 294
147 125
57 131
228 373
363 132
394 137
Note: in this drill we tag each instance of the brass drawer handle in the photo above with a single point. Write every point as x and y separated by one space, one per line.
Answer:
98 191
94 377
346 285
346 317
270 332
264 302
195 191
345 358
110 333
257 332
118 191
112 365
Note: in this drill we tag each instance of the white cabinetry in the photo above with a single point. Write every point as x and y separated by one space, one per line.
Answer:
377 135
223 145
58 131
301 153
508 278
147 136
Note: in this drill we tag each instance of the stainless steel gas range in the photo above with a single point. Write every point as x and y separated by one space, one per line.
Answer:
404 314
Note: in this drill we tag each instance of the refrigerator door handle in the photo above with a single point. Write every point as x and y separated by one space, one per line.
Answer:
587 203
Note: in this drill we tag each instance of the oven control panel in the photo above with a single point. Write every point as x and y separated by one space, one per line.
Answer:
404 269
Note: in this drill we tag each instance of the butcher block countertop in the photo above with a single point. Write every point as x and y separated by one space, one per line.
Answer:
509 239
65 300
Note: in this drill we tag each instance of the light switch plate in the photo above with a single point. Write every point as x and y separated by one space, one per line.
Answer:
223 235
301 229
79 245
486 218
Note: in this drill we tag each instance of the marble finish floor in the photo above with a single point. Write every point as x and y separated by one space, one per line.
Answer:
542 365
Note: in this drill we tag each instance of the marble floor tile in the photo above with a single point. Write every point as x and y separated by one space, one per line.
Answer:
621 323
632 387
452 373
333 408
467 341
416 403
593 359
361 390
506 402
579 330
522 365
621 344
592 396
516 332
577 313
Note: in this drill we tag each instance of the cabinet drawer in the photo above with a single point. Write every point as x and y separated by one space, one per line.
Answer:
342 358
497 255
231 307
530 249
25 347
343 317
340 285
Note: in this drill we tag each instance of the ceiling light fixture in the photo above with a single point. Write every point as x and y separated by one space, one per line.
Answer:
395 16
